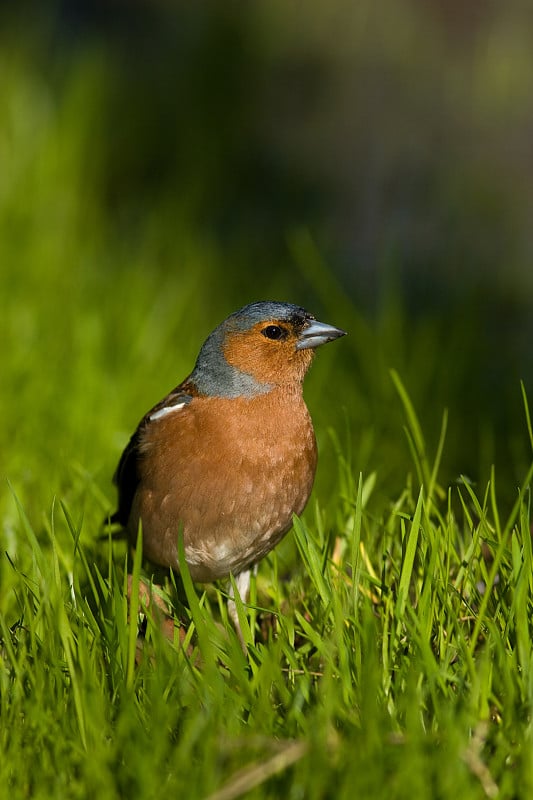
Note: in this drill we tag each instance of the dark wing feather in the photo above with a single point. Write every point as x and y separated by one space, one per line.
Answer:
127 475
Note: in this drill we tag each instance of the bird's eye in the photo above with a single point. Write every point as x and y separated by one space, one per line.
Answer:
275 332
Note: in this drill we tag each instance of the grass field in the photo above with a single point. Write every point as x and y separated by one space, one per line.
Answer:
389 637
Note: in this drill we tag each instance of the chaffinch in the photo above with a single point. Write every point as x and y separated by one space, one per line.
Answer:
230 454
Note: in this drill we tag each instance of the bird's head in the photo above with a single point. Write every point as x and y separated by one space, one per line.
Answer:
263 345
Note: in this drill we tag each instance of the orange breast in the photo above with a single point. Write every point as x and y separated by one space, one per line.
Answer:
230 473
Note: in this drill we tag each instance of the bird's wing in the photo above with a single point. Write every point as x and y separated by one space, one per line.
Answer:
126 476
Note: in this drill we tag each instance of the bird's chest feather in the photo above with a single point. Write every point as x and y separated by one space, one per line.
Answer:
232 473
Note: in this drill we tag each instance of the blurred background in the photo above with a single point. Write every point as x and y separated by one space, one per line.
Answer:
162 164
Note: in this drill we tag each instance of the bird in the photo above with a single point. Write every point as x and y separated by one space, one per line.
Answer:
229 456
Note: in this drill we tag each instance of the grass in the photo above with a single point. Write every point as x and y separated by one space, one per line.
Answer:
394 661
390 647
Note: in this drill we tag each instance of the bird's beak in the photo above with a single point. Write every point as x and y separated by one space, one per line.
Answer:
317 333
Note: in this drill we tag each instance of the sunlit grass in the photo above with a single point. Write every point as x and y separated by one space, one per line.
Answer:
402 637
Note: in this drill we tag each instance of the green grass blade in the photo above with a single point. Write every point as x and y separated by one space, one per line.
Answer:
414 427
528 415
406 574
134 608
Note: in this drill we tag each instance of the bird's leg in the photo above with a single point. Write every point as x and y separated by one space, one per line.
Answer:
242 584
152 599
